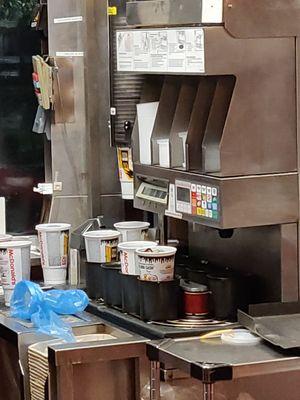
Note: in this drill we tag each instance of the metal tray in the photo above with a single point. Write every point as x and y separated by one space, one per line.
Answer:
277 323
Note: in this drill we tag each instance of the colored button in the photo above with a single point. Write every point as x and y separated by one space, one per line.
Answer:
214 206
194 202
215 199
202 212
215 215
203 204
206 213
203 190
210 213
209 205
198 196
209 198
204 196
199 203
199 211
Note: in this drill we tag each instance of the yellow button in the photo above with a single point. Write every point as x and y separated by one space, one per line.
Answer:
112 10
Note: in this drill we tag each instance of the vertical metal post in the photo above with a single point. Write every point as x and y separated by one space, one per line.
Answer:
154 380
208 391
163 229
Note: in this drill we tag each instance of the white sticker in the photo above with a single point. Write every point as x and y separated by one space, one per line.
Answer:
171 211
68 19
212 11
69 54
161 50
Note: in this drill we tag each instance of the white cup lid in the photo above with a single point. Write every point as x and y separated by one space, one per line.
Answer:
132 225
5 238
53 227
14 244
240 337
158 251
136 245
102 234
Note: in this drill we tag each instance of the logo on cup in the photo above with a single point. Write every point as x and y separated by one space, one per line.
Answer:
12 266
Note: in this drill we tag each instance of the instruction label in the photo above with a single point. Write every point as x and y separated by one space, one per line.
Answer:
178 50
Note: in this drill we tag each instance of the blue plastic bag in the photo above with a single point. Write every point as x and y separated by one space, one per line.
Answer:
29 302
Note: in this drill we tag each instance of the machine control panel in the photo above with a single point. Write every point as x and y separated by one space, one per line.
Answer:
198 199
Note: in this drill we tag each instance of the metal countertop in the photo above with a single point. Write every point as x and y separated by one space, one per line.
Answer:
222 361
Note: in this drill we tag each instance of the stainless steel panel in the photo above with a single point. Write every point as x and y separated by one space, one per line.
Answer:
164 12
256 18
73 209
263 252
245 200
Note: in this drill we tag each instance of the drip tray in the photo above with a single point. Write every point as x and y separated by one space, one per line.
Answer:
277 323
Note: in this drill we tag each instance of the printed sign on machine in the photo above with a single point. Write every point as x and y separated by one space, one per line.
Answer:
174 50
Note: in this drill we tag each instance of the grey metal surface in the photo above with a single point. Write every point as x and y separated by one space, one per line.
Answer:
233 361
276 195
279 324
164 12
256 18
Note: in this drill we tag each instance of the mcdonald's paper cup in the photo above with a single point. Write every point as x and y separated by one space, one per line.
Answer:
157 264
54 248
128 256
102 245
133 230
14 265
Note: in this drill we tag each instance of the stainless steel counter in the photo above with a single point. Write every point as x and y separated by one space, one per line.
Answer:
75 368
211 361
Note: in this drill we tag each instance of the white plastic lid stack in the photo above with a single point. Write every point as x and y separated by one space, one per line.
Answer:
240 337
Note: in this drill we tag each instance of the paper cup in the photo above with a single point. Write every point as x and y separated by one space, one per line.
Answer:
102 245
133 231
54 247
128 256
54 244
14 265
157 264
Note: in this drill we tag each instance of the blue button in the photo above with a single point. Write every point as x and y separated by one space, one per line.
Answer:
209 206
215 207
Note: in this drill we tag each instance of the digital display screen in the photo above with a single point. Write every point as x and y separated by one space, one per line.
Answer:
183 194
155 193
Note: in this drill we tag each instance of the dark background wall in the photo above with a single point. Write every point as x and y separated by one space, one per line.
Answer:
21 151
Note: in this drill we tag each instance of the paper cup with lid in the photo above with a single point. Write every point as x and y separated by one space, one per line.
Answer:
129 258
14 265
102 245
156 264
133 231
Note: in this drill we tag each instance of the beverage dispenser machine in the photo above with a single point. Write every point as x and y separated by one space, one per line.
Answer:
215 137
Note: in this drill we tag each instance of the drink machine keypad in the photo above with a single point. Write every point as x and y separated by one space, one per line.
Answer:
198 199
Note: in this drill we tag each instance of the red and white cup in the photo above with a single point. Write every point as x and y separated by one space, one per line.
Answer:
54 248
129 258
14 265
